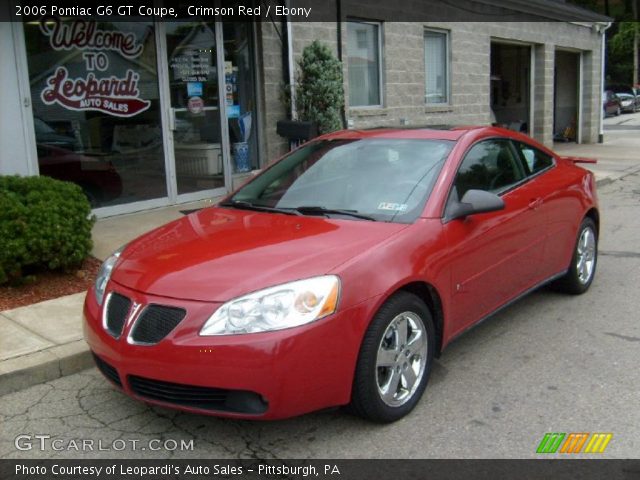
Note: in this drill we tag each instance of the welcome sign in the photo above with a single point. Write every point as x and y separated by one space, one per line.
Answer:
113 95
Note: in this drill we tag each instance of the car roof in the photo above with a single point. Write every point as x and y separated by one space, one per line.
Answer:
438 132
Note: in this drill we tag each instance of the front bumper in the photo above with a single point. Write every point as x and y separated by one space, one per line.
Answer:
288 372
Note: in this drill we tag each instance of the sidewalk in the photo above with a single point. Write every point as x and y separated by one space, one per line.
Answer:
43 341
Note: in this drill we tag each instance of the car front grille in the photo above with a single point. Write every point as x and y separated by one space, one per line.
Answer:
107 370
205 398
155 323
116 312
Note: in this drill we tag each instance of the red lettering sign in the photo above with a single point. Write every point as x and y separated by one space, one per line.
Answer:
112 95
87 36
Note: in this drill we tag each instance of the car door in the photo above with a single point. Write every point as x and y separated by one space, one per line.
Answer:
494 256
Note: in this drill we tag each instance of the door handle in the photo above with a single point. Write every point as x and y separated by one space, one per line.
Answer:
535 203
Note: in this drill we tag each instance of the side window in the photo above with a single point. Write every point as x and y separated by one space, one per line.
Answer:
490 165
535 160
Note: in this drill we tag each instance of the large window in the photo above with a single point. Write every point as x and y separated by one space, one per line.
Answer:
436 64
364 45
96 107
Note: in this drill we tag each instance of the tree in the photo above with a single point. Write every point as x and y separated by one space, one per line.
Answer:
319 93
624 53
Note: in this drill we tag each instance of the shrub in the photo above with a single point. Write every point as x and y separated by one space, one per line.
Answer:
44 223
319 89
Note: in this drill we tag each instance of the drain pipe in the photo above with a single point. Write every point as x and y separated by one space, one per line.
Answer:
343 112
603 50
292 87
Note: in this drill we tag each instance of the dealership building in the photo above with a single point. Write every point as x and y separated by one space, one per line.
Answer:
143 114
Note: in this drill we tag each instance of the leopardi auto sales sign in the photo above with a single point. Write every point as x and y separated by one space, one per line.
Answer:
97 91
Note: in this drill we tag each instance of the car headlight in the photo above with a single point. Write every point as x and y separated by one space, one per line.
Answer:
626 103
105 273
275 308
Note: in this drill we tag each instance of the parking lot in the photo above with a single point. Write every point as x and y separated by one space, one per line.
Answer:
550 363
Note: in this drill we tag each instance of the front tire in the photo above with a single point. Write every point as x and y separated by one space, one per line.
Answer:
580 275
395 360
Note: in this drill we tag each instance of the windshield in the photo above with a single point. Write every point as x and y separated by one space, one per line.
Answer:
383 179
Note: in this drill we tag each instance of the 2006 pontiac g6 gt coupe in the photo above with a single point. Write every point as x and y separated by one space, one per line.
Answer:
336 275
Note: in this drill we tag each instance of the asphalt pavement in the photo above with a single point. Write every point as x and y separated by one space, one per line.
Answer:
549 363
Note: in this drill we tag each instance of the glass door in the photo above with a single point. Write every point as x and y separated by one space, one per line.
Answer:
240 96
195 106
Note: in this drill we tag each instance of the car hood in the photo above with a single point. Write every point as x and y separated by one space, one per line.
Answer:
217 254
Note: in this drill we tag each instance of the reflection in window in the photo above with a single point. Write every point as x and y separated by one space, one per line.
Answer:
490 166
535 160
364 63
241 99
96 107
436 66
389 179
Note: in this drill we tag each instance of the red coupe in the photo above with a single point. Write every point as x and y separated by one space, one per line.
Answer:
338 274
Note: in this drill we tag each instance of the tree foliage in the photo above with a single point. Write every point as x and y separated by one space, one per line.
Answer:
620 49
319 92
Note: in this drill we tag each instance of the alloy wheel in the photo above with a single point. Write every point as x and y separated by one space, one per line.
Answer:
586 258
401 359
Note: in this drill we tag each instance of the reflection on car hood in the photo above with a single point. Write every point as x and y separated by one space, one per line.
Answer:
217 254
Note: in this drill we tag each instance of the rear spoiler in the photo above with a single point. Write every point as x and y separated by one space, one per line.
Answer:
580 159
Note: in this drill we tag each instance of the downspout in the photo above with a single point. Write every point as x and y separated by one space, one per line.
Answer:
602 77
343 113
290 67
339 27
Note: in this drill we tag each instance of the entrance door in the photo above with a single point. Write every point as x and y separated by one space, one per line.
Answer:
195 106
566 96
511 80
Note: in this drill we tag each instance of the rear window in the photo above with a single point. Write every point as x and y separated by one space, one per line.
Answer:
535 160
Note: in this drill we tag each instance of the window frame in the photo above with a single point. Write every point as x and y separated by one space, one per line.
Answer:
447 58
380 46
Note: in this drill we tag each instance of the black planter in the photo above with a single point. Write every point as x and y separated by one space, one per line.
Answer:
295 130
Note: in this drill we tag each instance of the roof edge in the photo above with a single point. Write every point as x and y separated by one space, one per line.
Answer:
552 9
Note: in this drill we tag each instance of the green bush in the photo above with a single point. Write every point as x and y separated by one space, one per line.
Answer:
319 89
44 223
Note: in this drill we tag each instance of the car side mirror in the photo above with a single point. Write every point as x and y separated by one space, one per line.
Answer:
474 202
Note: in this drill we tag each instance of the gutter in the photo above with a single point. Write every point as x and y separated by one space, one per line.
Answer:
549 9
343 110
292 87
603 49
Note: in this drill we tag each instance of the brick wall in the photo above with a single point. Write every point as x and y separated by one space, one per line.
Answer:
404 78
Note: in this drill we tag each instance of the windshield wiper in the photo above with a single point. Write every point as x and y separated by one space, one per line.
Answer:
318 210
244 205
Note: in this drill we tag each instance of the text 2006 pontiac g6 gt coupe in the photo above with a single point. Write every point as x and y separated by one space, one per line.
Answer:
336 275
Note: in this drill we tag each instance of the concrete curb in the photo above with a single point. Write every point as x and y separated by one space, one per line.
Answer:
609 180
604 181
39 367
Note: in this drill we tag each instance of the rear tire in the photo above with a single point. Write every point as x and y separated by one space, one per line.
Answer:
582 270
395 360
